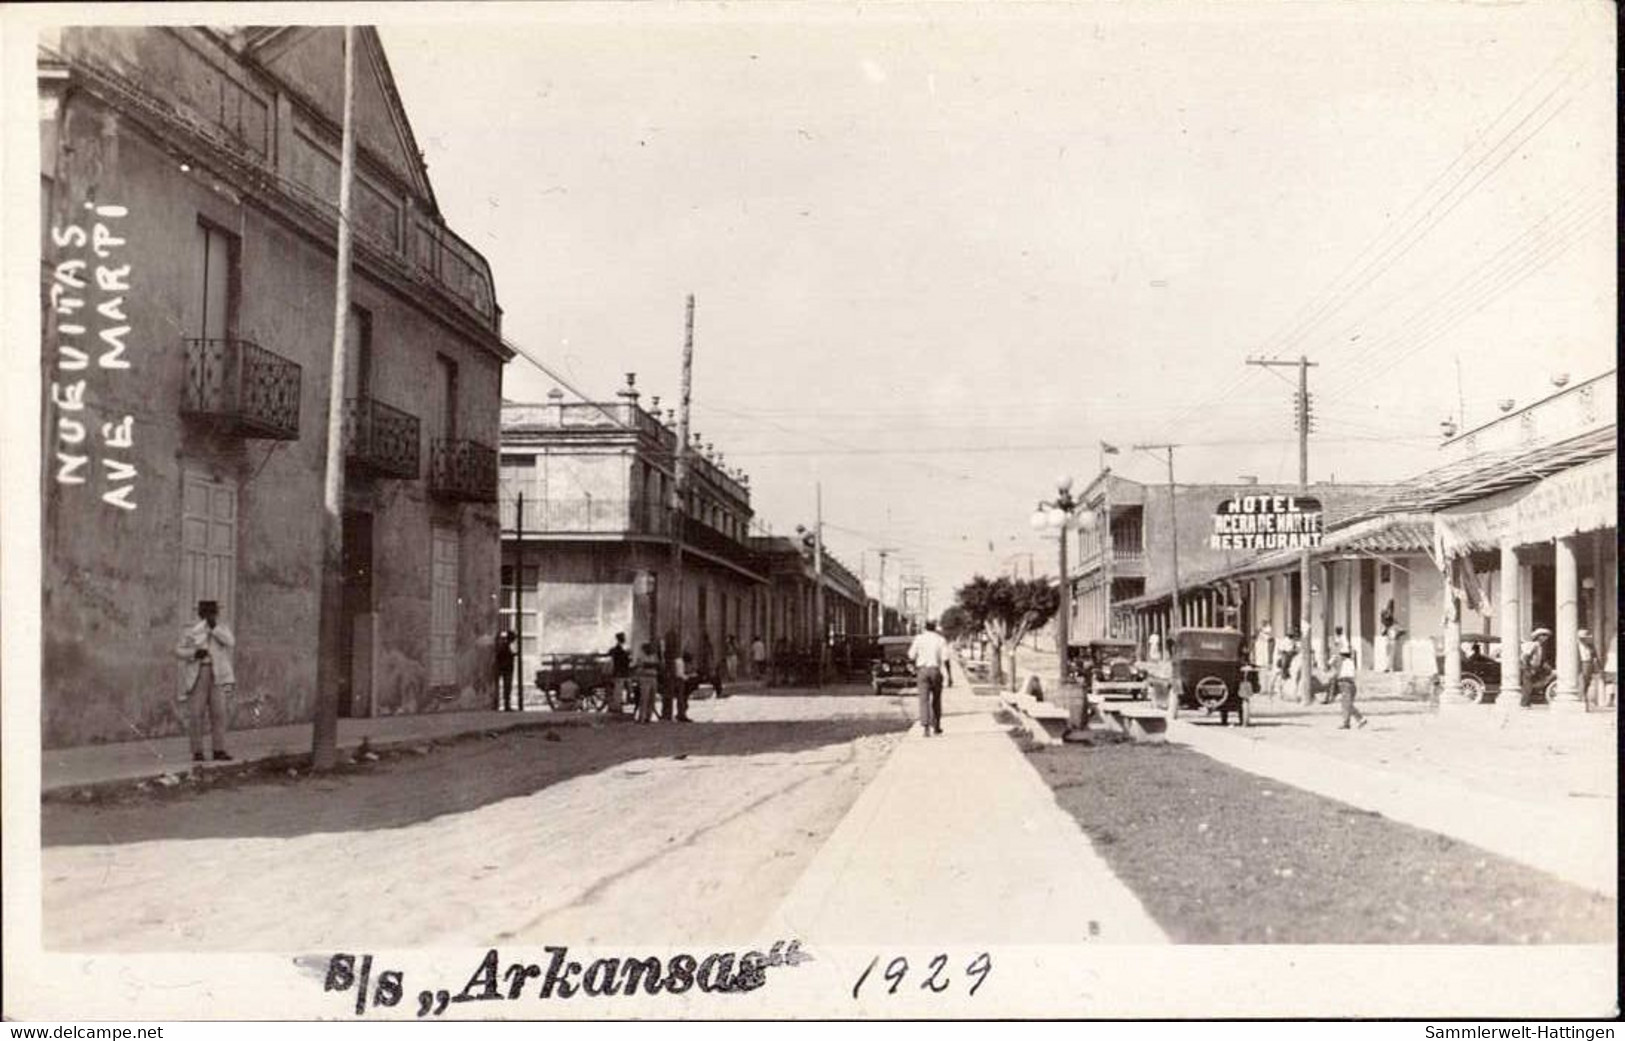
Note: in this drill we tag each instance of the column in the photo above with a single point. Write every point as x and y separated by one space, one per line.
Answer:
1511 627
1567 695
1451 693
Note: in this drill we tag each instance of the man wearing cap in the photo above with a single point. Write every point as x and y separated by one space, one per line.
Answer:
1534 663
205 650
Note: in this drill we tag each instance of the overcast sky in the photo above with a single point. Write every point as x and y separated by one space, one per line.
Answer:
940 251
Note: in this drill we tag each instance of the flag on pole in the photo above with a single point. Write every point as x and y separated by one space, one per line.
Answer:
1108 449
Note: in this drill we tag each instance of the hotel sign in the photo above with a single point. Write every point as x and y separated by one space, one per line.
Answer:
1265 522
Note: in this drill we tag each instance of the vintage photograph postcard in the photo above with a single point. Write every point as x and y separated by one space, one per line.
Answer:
903 510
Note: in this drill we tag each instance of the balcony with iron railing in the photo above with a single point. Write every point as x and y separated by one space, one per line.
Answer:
382 440
588 515
584 515
243 388
462 470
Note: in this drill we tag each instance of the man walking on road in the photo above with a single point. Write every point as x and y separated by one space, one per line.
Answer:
929 653
205 649
620 671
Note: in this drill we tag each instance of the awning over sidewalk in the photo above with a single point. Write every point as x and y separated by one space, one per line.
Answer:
1581 498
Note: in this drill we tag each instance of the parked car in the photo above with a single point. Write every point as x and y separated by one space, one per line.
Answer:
1481 671
575 681
1108 668
892 670
1207 665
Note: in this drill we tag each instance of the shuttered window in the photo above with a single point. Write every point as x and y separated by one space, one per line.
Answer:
443 607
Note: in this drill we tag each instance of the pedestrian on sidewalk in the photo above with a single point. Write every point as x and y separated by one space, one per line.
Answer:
504 669
685 681
670 652
1610 678
730 659
1588 665
928 652
1346 690
758 656
206 650
648 673
620 673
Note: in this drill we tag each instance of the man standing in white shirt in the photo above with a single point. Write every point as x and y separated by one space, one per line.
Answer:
205 649
929 653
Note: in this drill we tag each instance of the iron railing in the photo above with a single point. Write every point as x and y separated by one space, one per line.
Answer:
382 439
462 470
248 390
586 515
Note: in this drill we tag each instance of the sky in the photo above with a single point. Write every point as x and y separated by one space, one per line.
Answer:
941 251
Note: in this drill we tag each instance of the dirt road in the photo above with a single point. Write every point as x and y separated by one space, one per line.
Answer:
662 833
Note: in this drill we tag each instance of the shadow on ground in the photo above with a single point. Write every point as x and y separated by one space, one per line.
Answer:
410 784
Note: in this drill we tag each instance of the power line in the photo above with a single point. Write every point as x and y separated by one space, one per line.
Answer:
1375 267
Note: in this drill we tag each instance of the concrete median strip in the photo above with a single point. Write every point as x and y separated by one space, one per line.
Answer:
958 840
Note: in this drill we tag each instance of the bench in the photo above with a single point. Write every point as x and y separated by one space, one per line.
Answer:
1141 722
1045 721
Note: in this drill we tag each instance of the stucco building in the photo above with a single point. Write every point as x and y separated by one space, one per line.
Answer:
1135 564
587 529
189 219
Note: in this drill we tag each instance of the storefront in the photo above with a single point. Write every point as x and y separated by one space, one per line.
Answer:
1540 555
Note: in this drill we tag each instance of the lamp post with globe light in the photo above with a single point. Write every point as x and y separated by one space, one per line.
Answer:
1057 515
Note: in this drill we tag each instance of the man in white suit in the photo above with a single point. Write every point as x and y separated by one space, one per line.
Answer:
205 649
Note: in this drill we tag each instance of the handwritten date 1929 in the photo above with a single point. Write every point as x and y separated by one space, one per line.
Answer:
936 978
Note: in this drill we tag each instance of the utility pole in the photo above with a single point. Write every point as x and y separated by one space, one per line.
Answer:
519 593
330 636
1174 691
880 599
679 489
1303 420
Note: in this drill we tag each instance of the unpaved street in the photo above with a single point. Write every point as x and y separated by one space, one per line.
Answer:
610 833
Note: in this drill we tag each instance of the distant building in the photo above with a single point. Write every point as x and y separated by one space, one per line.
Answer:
188 201
587 533
1138 558
1515 530
588 548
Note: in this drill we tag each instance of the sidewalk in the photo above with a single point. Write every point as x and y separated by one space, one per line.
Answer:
139 760
958 840
86 765
1533 786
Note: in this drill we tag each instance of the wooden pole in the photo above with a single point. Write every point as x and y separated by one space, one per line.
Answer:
330 634
679 501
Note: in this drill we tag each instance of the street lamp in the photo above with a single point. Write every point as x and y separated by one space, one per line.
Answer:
1056 516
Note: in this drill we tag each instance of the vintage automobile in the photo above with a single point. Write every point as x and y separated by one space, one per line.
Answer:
1107 668
575 681
1207 666
853 657
1481 671
892 670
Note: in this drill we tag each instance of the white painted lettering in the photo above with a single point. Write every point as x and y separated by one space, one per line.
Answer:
118 470
67 472
70 396
104 241
65 273
73 235
71 359
112 310
63 303
120 497
112 279
119 435
70 430
114 357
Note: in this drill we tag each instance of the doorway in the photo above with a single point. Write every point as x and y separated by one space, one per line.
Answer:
355 675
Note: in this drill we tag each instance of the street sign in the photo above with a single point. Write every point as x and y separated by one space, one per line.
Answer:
1266 522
